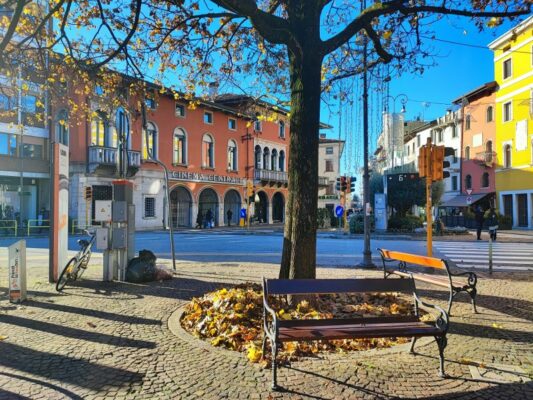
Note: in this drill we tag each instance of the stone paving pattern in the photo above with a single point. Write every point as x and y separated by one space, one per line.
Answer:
112 341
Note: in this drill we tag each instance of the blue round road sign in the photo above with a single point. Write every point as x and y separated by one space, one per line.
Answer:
339 210
243 212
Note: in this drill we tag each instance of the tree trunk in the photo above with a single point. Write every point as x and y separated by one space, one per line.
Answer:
299 243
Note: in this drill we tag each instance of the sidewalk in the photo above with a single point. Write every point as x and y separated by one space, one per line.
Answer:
112 341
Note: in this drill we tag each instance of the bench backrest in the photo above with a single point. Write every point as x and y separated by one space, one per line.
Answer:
331 286
389 255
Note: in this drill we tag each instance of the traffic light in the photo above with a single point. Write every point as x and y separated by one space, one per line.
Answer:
353 179
249 188
439 164
338 184
422 162
88 192
344 184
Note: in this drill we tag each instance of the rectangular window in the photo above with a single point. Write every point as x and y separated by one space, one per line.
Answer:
8 144
150 103
329 166
257 126
232 124
508 205
329 150
507 111
454 131
180 110
149 207
208 117
29 104
418 141
34 151
454 182
440 136
507 69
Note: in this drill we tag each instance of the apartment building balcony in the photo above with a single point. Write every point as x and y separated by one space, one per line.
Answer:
323 181
105 160
271 178
486 158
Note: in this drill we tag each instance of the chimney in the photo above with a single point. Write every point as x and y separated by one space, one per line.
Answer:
213 89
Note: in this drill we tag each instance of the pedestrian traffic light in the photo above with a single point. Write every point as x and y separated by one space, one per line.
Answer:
353 179
439 164
422 162
88 192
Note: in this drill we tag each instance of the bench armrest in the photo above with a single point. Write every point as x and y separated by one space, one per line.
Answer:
267 309
443 320
472 277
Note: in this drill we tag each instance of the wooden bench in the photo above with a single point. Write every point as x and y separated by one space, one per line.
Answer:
456 282
278 330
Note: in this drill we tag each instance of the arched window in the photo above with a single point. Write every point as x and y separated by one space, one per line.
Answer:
467 122
274 160
62 127
281 129
468 182
179 147
208 151
282 160
122 129
99 129
151 148
488 151
467 153
232 156
485 180
507 156
258 164
266 158
489 114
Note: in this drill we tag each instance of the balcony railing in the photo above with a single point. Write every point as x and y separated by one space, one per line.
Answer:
103 155
134 159
323 181
271 176
486 157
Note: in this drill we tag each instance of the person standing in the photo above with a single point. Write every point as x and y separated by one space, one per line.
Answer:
480 219
229 214
209 218
199 220
493 224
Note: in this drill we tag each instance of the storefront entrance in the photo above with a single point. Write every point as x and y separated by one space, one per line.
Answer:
208 200
261 208
232 201
278 207
181 207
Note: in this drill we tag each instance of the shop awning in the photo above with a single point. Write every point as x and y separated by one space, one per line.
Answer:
461 200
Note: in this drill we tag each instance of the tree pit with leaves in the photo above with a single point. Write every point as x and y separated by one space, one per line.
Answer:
233 319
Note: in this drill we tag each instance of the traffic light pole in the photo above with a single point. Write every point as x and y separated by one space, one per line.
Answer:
429 215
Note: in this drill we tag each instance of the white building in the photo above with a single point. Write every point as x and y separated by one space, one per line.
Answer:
329 161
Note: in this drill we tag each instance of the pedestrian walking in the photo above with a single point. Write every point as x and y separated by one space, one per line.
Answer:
493 224
480 219
229 214
199 220
209 218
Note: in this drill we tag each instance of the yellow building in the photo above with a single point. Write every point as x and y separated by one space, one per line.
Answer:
513 70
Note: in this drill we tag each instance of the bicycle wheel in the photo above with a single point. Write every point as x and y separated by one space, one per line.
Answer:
69 273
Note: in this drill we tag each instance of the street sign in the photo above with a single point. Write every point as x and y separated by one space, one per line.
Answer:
469 200
469 191
339 210
243 212
17 271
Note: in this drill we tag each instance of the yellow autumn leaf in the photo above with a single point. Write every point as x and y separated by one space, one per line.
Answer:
387 34
254 354
497 326
238 307
3 337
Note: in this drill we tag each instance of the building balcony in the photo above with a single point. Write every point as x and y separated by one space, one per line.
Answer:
271 177
105 160
486 158
323 181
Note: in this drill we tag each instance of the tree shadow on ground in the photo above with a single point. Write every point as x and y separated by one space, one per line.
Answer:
68 393
89 312
7 395
517 308
61 330
490 332
66 369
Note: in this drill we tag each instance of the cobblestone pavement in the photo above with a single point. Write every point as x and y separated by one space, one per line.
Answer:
112 340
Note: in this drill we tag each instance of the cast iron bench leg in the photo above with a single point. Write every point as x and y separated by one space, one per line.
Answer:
473 293
275 386
441 343
412 348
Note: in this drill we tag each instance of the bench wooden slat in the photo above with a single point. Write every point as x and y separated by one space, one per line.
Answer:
414 259
358 331
347 321
437 280
331 286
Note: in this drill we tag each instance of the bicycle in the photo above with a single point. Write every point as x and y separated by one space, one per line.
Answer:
78 264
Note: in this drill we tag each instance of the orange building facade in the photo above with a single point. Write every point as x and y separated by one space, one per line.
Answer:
211 150
478 159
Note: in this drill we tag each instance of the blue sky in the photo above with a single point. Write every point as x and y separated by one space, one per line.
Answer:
459 70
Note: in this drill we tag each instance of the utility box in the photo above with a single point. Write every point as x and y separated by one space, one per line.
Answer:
119 239
17 272
102 238
103 210
120 209
380 211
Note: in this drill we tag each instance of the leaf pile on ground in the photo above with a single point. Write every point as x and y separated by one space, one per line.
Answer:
233 318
